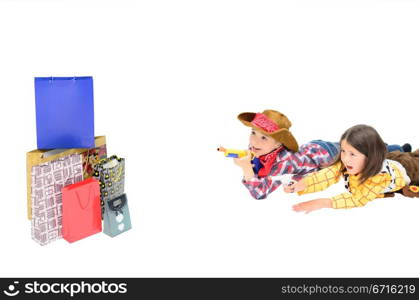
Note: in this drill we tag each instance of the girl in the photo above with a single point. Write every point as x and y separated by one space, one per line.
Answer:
365 169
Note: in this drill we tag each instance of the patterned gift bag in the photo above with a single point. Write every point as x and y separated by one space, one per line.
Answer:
116 218
90 158
37 157
48 179
110 172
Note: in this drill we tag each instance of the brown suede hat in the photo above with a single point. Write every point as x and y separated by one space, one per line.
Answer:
271 123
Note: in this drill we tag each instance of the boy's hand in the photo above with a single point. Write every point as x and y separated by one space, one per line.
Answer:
244 162
246 165
309 206
295 187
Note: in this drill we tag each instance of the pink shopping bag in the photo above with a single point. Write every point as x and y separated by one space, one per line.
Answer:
81 210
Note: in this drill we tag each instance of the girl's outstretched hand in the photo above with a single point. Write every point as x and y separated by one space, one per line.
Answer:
295 187
309 206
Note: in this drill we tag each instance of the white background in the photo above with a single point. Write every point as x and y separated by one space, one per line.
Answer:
170 78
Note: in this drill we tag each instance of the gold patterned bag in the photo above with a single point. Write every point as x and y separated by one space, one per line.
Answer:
110 172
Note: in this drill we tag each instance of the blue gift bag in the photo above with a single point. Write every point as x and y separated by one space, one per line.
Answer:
64 112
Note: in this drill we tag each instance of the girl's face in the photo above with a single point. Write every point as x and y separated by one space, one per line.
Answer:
261 144
353 160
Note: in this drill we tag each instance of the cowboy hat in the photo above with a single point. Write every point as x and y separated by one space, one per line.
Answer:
271 123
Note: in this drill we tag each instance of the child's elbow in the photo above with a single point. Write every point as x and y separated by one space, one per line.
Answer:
360 203
259 196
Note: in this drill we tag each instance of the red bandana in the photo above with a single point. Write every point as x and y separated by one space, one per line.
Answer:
267 162
263 122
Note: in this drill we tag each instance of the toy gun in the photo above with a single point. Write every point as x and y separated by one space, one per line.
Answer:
233 153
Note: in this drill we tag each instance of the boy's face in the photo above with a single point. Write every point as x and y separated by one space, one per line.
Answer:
261 144
353 160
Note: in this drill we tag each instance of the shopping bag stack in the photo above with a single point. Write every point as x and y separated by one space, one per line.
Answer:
64 200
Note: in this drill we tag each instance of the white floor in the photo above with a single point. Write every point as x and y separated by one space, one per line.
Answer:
170 78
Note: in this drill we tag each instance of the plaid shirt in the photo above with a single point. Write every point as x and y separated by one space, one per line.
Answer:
360 194
310 157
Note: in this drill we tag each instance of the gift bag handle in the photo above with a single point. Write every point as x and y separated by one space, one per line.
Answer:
88 202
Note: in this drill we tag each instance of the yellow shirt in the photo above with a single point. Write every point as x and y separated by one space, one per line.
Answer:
360 194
